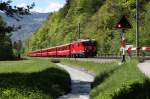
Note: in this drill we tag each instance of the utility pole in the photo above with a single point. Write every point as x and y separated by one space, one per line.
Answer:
137 27
78 30
28 46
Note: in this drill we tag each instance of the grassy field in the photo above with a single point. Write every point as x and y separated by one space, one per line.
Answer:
115 81
32 79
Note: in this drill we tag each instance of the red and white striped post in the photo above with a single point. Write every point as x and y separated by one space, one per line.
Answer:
123 45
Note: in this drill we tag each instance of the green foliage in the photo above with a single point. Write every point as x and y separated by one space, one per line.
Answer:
98 19
32 79
5 42
17 46
22 93
115 81
6 49
146 34
16 13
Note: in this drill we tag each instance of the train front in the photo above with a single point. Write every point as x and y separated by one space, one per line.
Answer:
89 48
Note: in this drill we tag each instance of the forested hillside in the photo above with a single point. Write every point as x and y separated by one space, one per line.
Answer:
97 19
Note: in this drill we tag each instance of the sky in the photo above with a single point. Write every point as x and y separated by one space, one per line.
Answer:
42 6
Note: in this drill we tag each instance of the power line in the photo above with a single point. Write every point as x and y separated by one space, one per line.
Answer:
79 30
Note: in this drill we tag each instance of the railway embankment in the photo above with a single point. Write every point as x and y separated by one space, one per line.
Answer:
32 79
115 81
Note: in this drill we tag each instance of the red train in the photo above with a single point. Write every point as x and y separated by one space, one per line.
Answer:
81 48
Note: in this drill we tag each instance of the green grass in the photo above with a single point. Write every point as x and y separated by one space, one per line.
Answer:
32 79
91 66
115 81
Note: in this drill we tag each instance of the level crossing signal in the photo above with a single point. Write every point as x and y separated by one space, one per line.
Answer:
123 23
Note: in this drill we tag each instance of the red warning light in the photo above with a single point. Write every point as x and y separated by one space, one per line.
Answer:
123 23
119 26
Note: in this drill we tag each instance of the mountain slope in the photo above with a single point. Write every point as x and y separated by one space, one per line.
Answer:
28 23
97 21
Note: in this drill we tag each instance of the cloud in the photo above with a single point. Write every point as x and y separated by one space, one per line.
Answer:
53 6
22 5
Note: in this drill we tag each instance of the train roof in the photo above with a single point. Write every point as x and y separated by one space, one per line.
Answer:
80 40
48 48
64 45
84 40
35 51
43 49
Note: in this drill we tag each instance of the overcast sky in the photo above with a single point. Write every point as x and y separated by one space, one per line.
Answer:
41 5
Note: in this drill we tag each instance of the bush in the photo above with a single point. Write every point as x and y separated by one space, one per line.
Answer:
136 90
6 52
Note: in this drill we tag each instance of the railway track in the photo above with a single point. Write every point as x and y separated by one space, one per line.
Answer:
102 59
93 59
97 59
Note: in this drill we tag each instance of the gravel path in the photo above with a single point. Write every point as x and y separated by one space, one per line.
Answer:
145 68
81 83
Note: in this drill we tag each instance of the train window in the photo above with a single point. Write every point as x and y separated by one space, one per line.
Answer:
94 43
90 43
87 43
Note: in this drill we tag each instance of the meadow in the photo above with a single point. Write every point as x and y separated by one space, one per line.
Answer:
32 79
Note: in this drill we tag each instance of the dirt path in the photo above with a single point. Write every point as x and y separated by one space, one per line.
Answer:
145 68
81 83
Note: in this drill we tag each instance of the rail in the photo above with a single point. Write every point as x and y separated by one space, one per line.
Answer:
109 56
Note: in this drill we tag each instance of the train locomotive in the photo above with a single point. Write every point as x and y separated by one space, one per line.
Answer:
80 48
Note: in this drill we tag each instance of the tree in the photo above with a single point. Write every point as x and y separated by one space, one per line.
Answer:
145 37
5 42
18 47
5 31
15 12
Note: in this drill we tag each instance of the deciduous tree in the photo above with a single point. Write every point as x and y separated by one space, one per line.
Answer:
5 31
